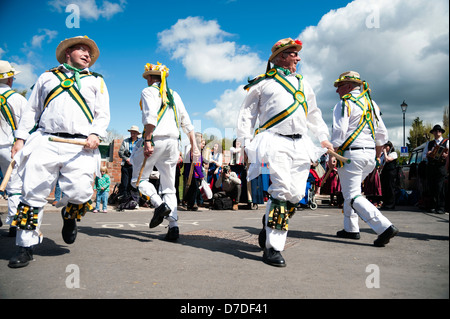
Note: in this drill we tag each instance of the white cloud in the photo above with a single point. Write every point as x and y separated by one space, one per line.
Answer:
44 34
204 53
89 8
227 108
26 78
405 56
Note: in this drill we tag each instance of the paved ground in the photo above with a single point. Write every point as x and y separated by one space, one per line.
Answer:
116 255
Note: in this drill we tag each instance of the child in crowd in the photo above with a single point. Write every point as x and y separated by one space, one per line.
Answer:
102 187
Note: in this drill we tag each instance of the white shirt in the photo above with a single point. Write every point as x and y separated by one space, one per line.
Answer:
63 114
268 98
344 126
151 103
392 155
17 103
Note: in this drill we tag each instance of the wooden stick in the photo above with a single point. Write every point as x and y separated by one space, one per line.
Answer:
190 172
141 171
7 175
326 175
68 141
339 157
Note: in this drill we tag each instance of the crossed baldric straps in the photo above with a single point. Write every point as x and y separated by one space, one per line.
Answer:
298 95
367 118
67 85
6 111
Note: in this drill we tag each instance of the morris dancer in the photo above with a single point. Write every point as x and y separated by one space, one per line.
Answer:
163 113
285 105
357 130
71 102
12 105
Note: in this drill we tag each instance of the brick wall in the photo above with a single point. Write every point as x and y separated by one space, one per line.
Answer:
114 164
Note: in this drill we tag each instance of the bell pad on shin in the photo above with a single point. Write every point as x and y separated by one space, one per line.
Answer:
77 211
278 215
26 217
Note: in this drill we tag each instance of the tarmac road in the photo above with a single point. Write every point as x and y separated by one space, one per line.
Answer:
116 255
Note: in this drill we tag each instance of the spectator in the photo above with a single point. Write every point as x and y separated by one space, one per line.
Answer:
215 163
436 153
193 197
102 187
230 185
331 184
388 161
125 150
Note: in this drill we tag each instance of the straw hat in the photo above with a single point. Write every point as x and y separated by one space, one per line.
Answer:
155 69
6 70
284 44
349 76
67 43
134 128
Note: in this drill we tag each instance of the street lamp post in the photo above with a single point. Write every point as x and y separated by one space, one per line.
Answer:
404 106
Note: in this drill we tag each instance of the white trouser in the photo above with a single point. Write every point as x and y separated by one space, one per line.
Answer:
164 158
289 166
41 163
351 176
14 186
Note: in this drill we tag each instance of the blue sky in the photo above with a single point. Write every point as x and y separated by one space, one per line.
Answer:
211 47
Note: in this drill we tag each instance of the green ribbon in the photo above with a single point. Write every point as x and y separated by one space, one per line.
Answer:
286 71
76 71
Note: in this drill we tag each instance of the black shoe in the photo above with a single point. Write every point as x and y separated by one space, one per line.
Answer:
273 257
22 258
438 211
12 232
161 211
345 234
384 238
173 234
69 230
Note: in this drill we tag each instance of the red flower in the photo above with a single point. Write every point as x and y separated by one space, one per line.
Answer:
298 42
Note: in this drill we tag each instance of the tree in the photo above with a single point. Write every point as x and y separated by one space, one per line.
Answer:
418 134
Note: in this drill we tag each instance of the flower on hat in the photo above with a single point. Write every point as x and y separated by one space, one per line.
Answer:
280 44
157 67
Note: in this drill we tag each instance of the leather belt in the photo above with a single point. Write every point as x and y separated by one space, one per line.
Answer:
361 148
293 136
67 135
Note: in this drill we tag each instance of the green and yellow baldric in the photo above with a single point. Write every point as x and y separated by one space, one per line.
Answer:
364 102
6 111
67 85
164 106
298 95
